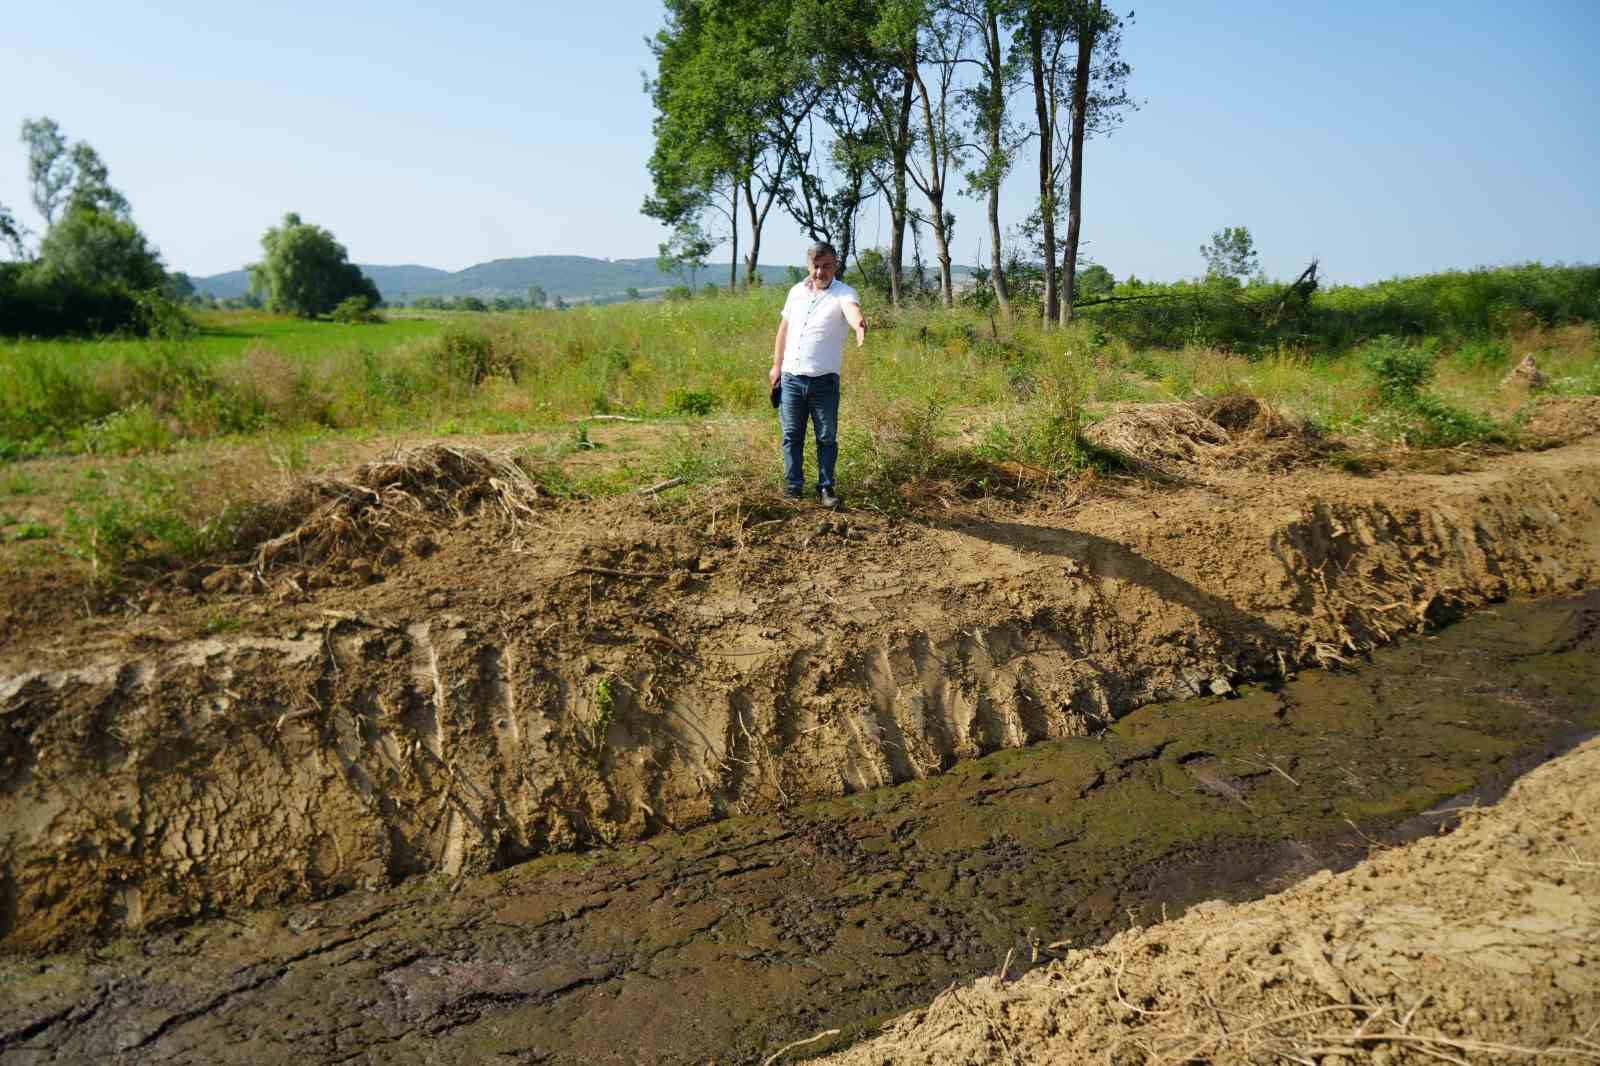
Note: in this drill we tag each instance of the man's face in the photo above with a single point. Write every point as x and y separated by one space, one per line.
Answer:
823 268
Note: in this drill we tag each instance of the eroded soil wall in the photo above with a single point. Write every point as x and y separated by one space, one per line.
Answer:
727 942
567 701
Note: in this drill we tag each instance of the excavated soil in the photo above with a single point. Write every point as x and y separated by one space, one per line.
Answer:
729 942
528 678
1480 946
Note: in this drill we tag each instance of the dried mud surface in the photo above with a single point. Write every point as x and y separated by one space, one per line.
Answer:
517 685
727 942
1480 946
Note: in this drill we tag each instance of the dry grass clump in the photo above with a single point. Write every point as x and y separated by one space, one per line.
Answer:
383 502
1159 437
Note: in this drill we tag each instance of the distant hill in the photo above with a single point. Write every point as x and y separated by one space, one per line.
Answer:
571 277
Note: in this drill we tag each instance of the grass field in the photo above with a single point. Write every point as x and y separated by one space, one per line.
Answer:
117 450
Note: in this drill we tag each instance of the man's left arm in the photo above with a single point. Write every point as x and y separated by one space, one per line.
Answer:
857 320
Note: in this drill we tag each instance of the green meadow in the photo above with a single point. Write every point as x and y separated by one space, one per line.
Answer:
163 438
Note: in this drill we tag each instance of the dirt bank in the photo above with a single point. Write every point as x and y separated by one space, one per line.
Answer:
727 942
519 684
1481 945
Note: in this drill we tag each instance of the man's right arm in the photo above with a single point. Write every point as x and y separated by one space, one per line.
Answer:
777 353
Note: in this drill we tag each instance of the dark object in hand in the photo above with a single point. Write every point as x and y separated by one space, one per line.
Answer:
777 394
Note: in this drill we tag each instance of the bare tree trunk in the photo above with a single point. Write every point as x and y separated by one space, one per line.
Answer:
938 171
997 106
941 244
1047 191
1080 104
733 222
899 204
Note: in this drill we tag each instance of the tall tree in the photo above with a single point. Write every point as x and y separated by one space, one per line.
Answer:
91 184
995 139
838 157
100 250
1231 254
728 98
305 271
685 252
49 168
1099 100
870 48
945 39
1042 40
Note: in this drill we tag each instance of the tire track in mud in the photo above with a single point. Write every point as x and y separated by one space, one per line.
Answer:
732 939
353 751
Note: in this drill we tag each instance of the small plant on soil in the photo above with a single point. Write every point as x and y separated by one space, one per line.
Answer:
605 710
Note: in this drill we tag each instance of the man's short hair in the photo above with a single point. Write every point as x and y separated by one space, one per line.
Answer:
818 250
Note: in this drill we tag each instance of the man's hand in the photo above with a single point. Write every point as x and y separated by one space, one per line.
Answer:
857 321
772 378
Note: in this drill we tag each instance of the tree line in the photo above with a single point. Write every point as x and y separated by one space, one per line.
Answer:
821 107
92 270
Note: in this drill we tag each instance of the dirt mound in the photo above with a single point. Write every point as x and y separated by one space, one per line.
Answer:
1558 419
601 672
1480 943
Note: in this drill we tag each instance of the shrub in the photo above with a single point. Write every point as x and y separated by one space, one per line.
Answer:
1401 370
356 310
467 356
691 401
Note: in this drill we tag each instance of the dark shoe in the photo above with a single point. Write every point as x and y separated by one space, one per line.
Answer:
829 500
793 494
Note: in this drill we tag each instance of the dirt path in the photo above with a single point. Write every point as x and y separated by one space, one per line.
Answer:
599 673
1479 946
727 942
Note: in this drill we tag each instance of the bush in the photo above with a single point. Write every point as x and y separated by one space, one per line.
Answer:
691 401
1402 371
356 310
467 356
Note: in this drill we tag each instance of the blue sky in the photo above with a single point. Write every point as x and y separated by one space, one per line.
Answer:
1388 139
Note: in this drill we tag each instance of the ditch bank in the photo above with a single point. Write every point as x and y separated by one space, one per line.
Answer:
728 942
518 684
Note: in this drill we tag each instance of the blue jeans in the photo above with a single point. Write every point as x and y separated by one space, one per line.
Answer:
819 398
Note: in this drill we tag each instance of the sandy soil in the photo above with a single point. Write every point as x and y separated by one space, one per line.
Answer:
460 687
1477 946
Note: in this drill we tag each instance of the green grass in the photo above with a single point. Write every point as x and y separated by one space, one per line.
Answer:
936 396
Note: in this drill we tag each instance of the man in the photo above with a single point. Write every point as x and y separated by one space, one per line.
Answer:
806 359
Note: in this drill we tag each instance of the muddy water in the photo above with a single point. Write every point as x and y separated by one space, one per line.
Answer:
725 943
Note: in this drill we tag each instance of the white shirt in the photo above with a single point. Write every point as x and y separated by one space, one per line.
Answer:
817 328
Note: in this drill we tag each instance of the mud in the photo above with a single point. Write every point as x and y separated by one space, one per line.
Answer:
726 942
601 673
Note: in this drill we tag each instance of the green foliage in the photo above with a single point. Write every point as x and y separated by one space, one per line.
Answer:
691 401
468 356
143 515
357 310
605 712
304 271
1231 254
1455 307
871 273
684 253
49 168
1402 371
1095 280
